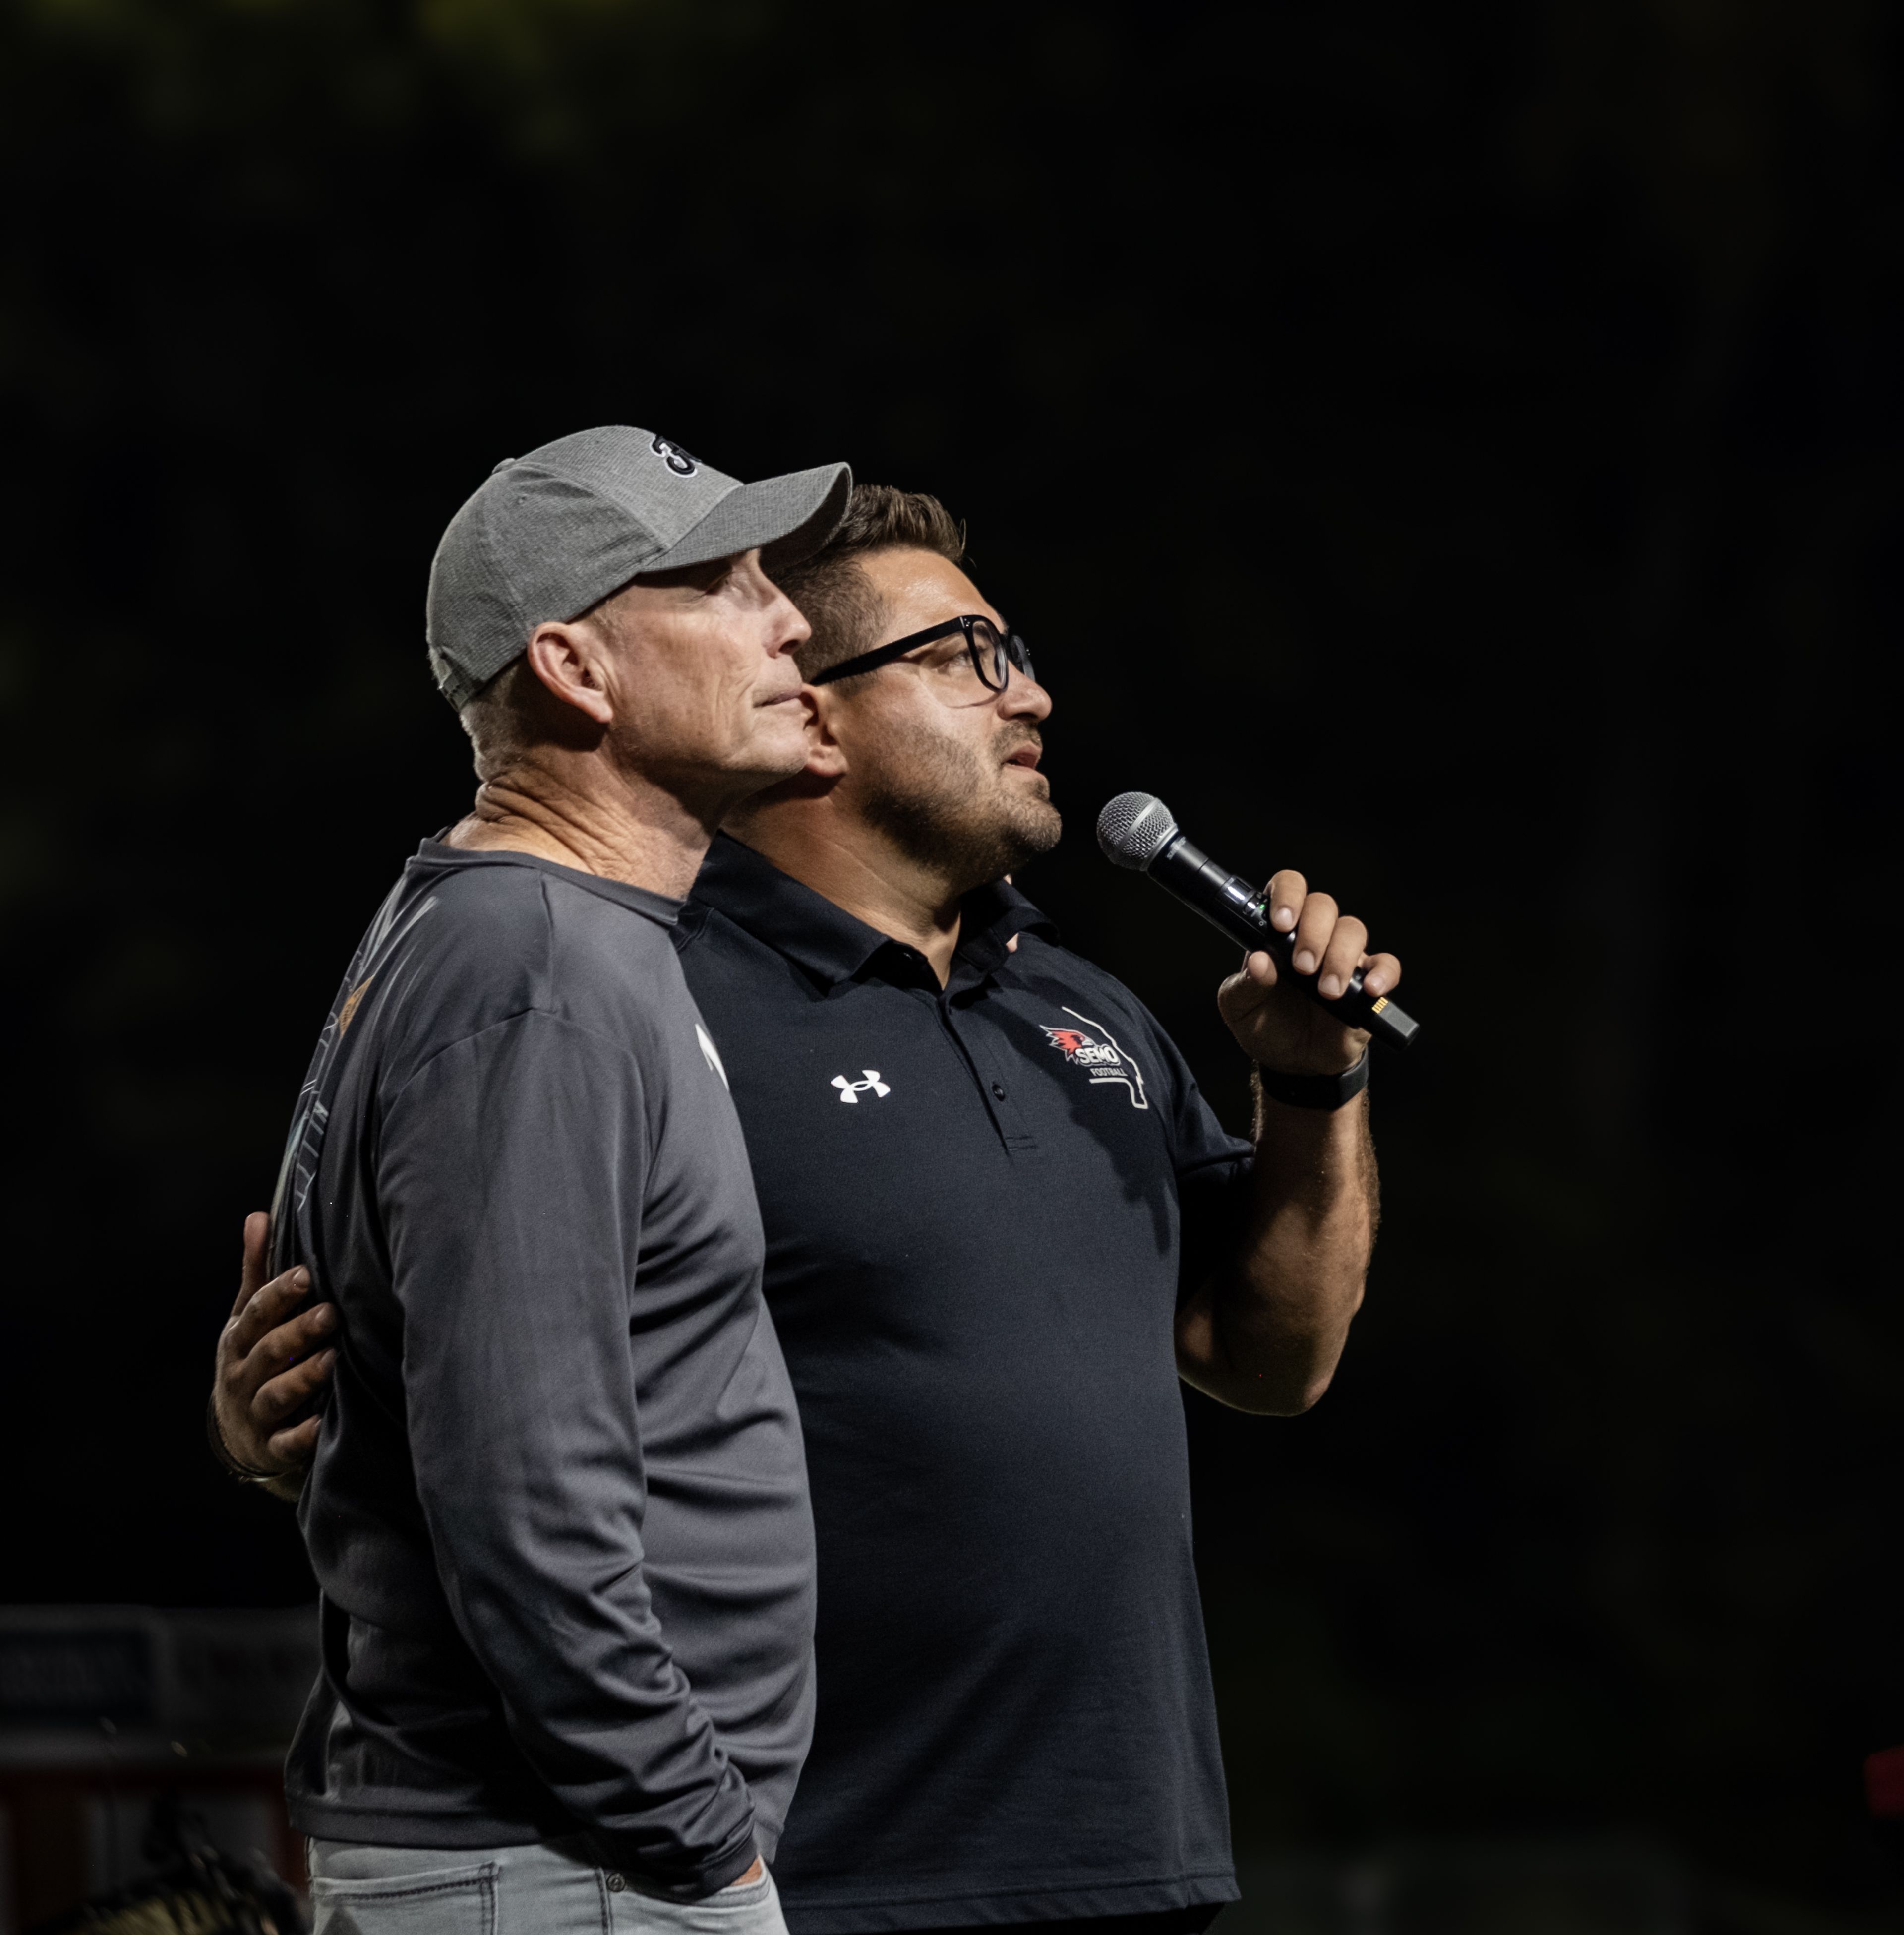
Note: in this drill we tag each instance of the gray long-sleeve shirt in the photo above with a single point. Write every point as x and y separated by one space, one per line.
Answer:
558 1514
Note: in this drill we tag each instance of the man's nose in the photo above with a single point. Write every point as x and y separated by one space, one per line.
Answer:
1023 698
790 627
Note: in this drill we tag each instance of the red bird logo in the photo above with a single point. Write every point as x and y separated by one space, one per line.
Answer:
1102 1060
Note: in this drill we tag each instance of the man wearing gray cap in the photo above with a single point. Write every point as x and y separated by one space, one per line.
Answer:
558 1511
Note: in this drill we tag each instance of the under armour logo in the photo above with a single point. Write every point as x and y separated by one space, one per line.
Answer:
674 456
851 1091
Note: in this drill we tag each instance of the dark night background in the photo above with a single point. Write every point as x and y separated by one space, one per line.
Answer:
1455 451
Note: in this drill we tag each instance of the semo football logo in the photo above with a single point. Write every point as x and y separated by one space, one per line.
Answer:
1099 1054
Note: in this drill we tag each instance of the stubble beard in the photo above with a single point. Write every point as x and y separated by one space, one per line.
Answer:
947 806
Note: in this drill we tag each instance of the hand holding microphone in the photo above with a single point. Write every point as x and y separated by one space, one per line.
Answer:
1310 944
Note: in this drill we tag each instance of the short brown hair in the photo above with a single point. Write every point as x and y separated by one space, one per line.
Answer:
836 596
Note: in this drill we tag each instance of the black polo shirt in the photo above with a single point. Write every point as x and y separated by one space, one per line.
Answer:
976 1201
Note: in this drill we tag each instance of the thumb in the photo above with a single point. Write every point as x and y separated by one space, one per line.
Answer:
1249 987
257 1247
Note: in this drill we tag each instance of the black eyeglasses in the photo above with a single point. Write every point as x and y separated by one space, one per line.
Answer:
992 654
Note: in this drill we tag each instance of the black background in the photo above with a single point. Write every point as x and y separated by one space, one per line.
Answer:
1454 451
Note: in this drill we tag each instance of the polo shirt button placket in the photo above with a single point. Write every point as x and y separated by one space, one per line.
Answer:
967 1031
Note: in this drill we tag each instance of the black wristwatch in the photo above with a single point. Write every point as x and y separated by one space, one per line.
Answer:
1315 1091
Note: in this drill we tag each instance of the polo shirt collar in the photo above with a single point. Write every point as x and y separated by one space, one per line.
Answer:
833 945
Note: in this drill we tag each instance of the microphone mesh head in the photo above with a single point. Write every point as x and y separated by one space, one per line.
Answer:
1134 829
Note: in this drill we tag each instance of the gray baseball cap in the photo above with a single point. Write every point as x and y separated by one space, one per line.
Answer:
551 534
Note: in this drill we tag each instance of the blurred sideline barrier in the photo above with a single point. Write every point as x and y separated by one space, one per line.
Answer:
110 1716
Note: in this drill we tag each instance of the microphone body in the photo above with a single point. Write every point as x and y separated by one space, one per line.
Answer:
1136 830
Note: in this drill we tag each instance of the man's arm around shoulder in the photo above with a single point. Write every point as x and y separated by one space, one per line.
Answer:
274 1364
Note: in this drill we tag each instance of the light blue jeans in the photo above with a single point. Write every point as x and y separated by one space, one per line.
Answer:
555 1888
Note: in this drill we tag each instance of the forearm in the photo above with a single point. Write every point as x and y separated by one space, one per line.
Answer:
535 1526
594 1698
1266 1332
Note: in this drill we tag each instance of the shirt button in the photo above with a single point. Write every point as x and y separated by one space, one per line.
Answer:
616 1883
998 1089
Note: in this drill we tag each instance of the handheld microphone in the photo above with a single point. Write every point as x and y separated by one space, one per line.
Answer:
1136 830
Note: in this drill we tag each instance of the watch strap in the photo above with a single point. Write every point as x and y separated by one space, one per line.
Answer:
1315 1091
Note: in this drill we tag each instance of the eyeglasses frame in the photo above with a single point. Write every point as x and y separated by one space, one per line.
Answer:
1016 652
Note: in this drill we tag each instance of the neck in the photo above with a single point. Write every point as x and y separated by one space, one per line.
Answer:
857 868
581 811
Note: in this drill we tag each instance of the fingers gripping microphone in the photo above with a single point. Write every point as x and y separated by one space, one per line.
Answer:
1136 830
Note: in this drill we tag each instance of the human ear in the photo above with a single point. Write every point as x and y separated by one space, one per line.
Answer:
826 758
567 660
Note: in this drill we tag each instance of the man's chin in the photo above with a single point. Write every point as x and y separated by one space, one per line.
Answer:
779 748
1032 831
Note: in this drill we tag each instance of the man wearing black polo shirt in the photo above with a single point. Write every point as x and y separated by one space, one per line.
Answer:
1001 1222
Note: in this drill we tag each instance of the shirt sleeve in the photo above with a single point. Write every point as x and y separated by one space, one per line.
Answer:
1213 1170
511 1171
